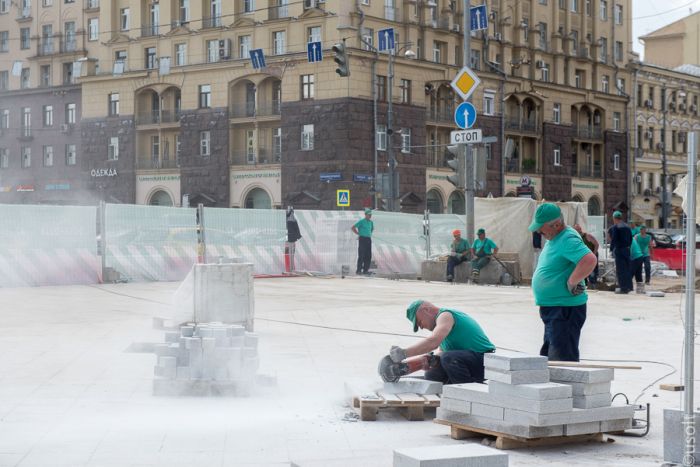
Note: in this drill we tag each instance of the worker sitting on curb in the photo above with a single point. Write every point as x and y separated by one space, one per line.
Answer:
459 252
482 250
461 342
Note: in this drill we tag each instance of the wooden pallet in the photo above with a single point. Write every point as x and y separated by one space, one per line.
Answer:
412 405
506 441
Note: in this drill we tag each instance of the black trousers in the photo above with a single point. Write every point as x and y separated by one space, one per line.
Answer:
457 367
562 331
623 268
637 268
647 268
453 261
364 254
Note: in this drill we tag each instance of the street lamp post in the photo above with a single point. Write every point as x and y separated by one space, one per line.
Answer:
664 175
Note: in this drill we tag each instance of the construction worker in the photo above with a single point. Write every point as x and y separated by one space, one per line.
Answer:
557 283
647 245
636 260
620 237
458 338
364 229
459 252
482 250
593 245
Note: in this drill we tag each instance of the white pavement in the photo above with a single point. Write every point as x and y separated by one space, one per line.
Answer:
70 394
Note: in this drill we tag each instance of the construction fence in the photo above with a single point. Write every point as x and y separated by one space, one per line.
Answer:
57 245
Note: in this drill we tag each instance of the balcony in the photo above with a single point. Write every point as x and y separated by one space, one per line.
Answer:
278 12
92 5
24 14
440 115
587 172
588 132
211 22
522 126
46 47
157 118
256 156
528 166
153 163
150 30
249 110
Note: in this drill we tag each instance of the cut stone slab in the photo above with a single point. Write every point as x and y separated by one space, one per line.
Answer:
615 425
592 401
589 389
537 391
576 416
487 411
479 393
562 374
517 376
500 426
455 405
674 436
506 361
459 455
585 428
417 385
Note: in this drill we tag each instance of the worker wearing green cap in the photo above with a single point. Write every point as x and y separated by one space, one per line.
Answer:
459 340
557 283
364 229
620 237
482 250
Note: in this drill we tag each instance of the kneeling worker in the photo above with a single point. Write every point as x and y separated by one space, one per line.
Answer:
461 341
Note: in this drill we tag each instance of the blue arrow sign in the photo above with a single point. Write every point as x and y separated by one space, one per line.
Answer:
386 39
331 176
257 57
314 52
479 18
465 115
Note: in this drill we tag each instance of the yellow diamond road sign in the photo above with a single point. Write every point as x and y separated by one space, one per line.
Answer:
465 83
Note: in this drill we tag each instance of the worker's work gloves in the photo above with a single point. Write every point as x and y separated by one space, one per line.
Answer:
397 354
575 289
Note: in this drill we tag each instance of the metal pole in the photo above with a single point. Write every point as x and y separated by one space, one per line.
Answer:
374 116
103 238
664 209
689 350
390 133
469 190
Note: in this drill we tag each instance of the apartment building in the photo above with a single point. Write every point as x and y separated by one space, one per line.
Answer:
172 107
674 44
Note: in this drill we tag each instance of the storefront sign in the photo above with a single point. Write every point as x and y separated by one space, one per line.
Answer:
249 175
159 178
25 187
57 186
103 172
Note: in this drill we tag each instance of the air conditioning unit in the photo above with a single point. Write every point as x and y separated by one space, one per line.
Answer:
224 49
540 64
583 52
648 103
637 178
498 36
309 3
455 28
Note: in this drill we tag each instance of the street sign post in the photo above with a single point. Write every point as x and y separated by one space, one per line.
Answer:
257 57
342 198
314 52
386 39
466 136
465 115
479 18
465 83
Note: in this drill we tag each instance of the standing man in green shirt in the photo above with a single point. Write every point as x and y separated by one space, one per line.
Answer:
557 283
459 252
647 245
458 338
364 229
482 250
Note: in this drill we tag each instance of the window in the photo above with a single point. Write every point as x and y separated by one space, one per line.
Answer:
69 35
45 76
603 49
314 33
180 54
24 78
4 6
556 113
605 84
574 42
124 19
244 46
526 29
120 58
67 73
367 38
150 57
405 91
562 4
213 51
205 96
113 149
543 36
277 144
205 143
248 6
250 146
616 121
24 38
650 137
489 98
381 88
381 138
48 115
588 7
603 10
26 157
437 51
618 51
616 161
184 11
4 158
580 79
5 119
114 104
26 121
618 13
574 6
674 140
307 87
4 41
307 137
70 113
557 154
70 154
278 41
405 140
4 80
620 86
48 156
545 73
93 29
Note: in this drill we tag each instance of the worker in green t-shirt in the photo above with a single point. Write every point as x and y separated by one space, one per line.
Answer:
457 338
647 245
636 258
364 229
459 252
482 250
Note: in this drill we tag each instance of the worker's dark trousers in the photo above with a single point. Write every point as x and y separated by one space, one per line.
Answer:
623 268
364 254
562 330
637 268
453 261
457 367
646 260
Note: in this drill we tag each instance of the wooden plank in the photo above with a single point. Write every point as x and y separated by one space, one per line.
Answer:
671 387
371 399
432 398
368 413
505 443
389 397
411 398
593 365
414 413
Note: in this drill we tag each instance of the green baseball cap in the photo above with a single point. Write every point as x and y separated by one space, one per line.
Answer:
480 231
617 215
411 313
547 212
368 211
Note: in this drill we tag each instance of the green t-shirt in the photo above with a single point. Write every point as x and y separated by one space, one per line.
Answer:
364 227
635 231
635 250
643 243
466 334
557 261
461 247
487 243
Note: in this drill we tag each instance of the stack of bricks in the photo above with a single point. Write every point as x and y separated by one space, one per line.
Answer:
520 400
206 359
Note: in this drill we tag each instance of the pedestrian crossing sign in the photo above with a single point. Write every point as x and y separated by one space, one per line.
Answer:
343 198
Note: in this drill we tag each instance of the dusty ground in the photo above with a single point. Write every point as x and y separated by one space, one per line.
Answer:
71 396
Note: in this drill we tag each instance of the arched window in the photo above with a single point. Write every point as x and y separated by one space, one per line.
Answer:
594 206
577 199
258 199
160 198
455 204
434 202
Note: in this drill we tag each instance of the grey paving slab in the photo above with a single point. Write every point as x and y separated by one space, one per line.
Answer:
517 376
585 428
455 405
506 360
580 375
462 455
475 392
675 435
537 391
575 416
592 401
417 385
588 389
500 426
615 425
487 411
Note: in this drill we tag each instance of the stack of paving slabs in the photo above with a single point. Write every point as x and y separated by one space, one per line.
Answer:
206 359
521 401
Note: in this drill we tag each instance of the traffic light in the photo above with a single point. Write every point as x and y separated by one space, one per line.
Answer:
459 165
341 58
386 204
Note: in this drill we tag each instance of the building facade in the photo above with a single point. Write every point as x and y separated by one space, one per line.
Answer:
674 44
170 106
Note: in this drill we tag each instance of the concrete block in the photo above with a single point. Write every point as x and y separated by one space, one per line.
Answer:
562 374
538 391
506 361
182 372
479 393
237 341
235 330
250 352
208 343
459 455
592 401
162 350
193 342
172 337
167 362
164 372
524 431
251 340
487 411
417 385
585 428
221 336
186 331
220 373
204 331
575 416
675 433
517 376
224 293
456 405
615 425
588 389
